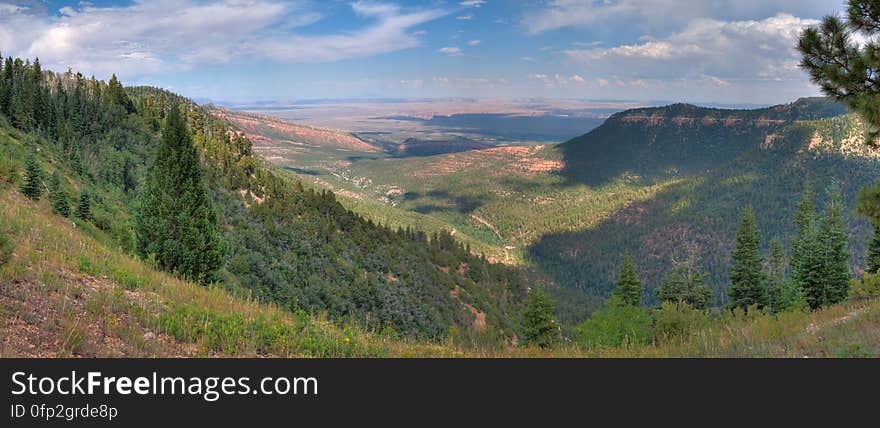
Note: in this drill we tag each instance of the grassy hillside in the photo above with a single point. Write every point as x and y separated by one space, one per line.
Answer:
62 293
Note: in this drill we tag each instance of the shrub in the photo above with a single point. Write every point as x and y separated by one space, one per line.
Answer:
127 279
854 350
867 287
8 168
677 320
86 266
73 337
616 325
234 334
5 246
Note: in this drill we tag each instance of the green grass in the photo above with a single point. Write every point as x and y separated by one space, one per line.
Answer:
49 246
218 324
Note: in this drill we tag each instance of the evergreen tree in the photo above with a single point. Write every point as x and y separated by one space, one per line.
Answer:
868 205
683 284
60 205
629 288
84 206
774 264
841 65
748 284
836 271
32 186
4 87
539 327
39 108
116 95
820 262
6 96
76 159
807 261
872 259
176 221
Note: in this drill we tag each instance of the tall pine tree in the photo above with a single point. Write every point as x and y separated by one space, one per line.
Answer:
820 259
629 288
7 77
872 259
774 264
4 87
748 283
806 249
868 205
836 271
116 95
176 222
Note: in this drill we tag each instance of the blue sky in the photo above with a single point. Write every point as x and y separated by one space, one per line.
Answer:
725 51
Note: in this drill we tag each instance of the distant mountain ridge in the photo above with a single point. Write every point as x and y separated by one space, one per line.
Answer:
680 138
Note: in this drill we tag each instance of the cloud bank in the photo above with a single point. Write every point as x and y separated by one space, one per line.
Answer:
163 35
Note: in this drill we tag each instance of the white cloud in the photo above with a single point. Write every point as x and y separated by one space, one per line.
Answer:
450 50
472 3
467 17
587 44
474 42
556 79
758 50
651 15
164 35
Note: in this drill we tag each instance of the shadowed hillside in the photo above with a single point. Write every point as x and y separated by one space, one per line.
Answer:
678 140
694 219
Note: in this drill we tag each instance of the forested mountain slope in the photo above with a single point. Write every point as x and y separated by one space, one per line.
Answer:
715 163
678 140
288 245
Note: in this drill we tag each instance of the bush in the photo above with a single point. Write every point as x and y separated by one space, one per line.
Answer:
854 350
8 168
235 334
5 247
677 320
614 326
867 287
